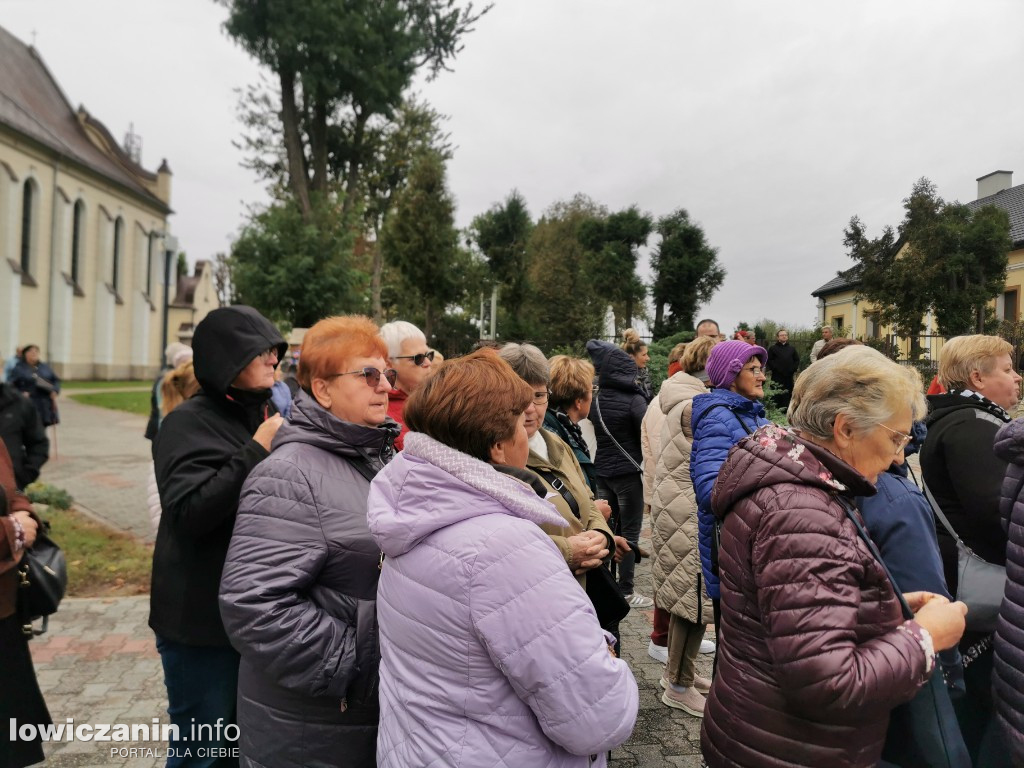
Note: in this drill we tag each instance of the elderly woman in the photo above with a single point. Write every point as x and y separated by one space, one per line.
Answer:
300 579
679 586
203 452
20 698
719 420
583 537
964 475
490 652
815 651
36 380
572 393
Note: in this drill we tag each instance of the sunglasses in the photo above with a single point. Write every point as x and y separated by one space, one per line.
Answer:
372 375
419 359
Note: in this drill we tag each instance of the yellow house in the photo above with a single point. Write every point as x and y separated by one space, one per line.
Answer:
82 232
839 306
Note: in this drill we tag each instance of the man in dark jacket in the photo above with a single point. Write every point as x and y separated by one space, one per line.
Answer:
783 362
23 433
203 452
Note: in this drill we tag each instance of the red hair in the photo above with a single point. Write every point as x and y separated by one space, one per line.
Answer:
329 344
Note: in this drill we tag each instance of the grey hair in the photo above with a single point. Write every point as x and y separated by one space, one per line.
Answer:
527 361
859 382
398 331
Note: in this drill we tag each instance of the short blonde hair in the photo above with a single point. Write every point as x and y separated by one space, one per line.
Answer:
571 380
677 353
961 356
695 358
861 383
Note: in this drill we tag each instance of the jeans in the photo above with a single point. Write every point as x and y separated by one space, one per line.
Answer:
202 688
625 494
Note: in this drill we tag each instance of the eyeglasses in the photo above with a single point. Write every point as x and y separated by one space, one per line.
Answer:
419 359
756 370
900 439
268 354
372 375
539 398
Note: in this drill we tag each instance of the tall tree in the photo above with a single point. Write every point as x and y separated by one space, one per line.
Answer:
562 302
686 273
296 271
337 64
613 243
222 280
420 238
948 257
502 234
394 147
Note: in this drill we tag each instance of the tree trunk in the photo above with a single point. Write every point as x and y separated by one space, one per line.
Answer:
428 323
297 178
375 281
659 316
318 144
356 163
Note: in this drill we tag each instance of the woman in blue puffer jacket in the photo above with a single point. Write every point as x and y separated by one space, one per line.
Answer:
721 418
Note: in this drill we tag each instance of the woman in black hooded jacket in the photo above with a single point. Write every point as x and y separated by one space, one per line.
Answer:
203 453
617 412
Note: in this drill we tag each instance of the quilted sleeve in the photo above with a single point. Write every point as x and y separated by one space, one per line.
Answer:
276 552
541 632
807 575
646 426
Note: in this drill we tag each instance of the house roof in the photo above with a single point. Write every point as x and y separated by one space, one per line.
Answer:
1012 201
846 280
33 105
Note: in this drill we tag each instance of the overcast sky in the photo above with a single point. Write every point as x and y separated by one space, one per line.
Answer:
772 123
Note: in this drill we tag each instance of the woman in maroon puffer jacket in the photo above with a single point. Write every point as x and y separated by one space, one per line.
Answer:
814 651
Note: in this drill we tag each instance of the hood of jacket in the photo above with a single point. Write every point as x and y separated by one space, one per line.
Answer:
1009 444
226 341
615 368
750 409
774 455
681 386
941 406
312 424
430 486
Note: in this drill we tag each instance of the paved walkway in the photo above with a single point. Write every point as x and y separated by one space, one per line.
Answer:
98 662
101 458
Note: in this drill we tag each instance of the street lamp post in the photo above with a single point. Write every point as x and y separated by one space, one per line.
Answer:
170 249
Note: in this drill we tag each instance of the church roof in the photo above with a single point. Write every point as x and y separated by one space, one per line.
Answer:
33 105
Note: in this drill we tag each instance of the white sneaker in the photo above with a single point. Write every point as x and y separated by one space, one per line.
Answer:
636 600
657 652
707 646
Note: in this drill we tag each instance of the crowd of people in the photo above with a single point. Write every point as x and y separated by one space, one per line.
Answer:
426 563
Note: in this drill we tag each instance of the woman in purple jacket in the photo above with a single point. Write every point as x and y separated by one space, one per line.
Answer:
491 653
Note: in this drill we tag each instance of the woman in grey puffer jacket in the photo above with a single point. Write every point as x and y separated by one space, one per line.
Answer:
298 592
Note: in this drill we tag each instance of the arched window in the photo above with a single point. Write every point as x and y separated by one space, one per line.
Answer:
77 237
115 281
28 215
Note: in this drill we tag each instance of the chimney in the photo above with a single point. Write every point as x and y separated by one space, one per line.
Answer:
163 182
994 182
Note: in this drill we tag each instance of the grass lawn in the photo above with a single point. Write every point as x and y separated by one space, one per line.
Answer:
133 402
101 562
104 384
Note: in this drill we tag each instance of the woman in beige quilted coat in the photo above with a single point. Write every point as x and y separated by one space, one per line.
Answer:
677 572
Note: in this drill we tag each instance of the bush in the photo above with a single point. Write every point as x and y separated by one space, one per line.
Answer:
50 495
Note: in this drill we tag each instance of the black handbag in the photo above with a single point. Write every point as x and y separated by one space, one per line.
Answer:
924 732
42 582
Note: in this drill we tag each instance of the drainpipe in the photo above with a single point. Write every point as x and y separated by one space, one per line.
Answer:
53 263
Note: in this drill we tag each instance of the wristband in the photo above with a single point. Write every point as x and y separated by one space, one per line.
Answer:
19 535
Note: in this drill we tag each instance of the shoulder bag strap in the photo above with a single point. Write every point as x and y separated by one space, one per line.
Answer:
937 510
555 482
855 519
600 420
